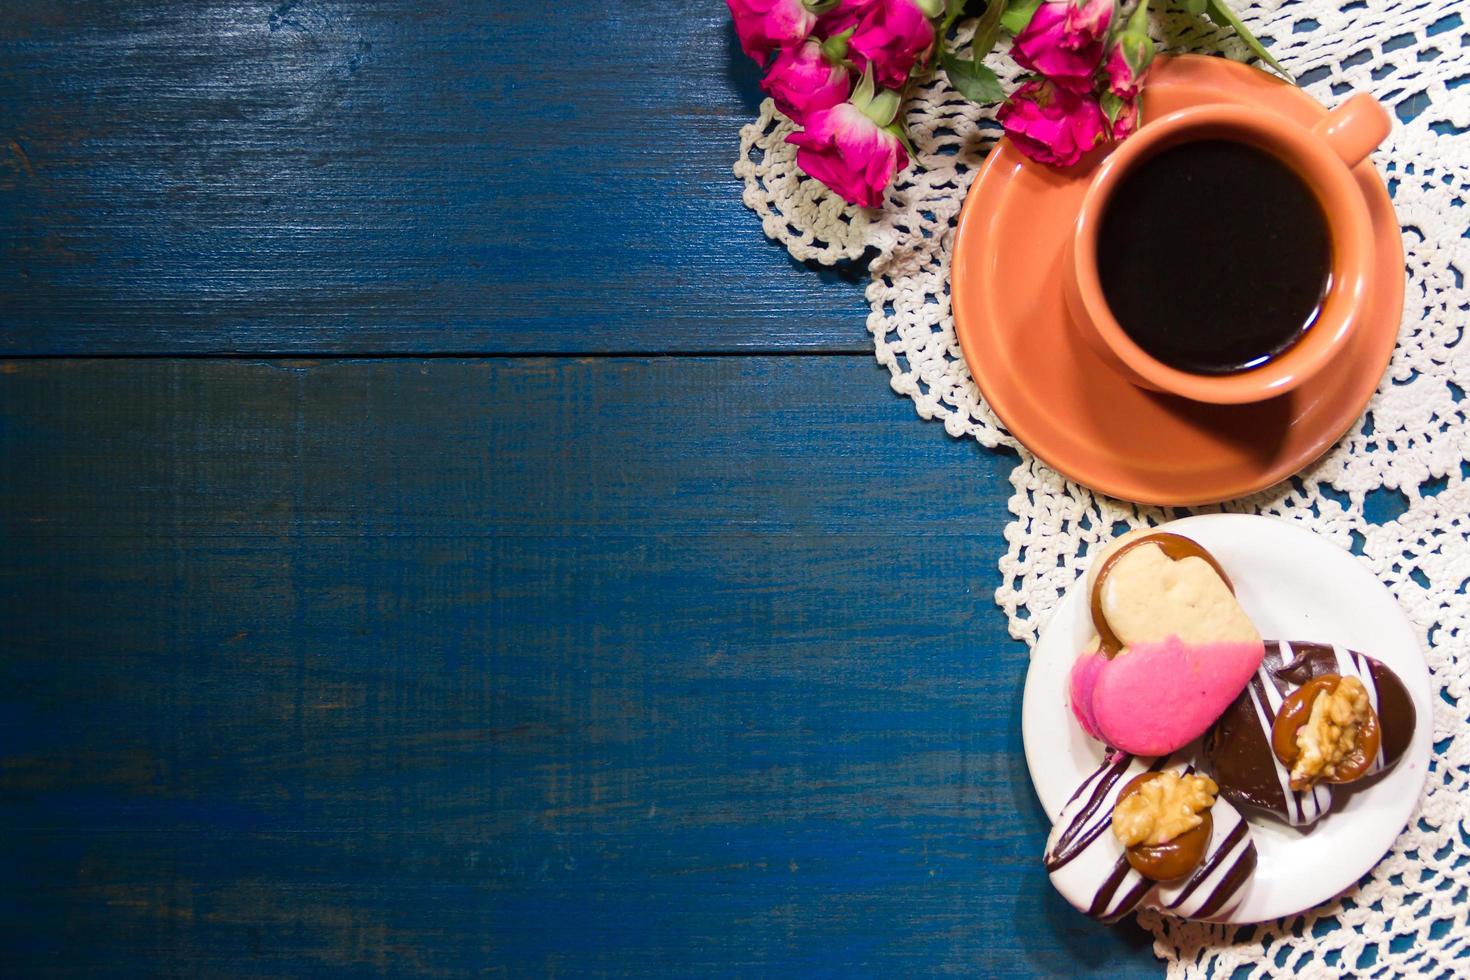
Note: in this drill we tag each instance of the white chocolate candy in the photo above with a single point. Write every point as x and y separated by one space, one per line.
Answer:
1089 866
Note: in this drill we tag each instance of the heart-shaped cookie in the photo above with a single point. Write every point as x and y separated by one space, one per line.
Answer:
1173 646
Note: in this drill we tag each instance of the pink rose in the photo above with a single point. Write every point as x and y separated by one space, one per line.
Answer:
801 81
765 25
1125 124
845 15
890 35
1064 41
1088 20
850 153
1052 124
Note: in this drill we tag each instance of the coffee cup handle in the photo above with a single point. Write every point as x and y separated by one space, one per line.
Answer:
1355 128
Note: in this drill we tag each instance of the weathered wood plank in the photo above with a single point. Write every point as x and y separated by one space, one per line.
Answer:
674 666
388 176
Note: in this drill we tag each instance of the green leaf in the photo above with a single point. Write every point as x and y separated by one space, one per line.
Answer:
1221 14
1195 7
1018 14
973 80
987 30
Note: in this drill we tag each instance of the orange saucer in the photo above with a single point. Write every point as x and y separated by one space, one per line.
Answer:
1086 421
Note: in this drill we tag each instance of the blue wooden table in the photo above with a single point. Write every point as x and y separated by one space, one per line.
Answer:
439 534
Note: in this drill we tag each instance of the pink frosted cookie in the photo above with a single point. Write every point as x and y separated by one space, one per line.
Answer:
1173 649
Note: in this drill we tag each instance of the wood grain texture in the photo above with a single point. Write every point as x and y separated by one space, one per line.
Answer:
419 176
536 667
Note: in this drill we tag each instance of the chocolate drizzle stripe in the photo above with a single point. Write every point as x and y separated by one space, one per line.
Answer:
1104 906
1364 673
1110 884
1222 855
1230 884
1078 835
1131 899
1228 845
1260 683
1095 774
1321 798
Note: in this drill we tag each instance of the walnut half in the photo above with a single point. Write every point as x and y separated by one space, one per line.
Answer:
1331 732
1163 808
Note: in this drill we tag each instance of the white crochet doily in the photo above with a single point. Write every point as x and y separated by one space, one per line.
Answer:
1405 463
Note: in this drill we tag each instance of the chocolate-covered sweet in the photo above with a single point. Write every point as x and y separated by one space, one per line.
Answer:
1238 747
1090 867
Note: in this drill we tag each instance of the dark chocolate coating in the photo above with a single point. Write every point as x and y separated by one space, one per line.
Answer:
1238 754
1237 748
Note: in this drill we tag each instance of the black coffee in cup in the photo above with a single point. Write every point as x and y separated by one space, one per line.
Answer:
1214 256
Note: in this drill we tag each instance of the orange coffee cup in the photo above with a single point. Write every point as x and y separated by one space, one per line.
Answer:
1323 156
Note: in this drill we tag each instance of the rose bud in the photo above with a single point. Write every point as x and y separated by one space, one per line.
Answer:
1124 122
765 25
1064 41
802 81
1129 58
1051 124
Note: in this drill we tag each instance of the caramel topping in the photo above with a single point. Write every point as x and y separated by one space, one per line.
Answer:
1175 547
1326 731
1163 820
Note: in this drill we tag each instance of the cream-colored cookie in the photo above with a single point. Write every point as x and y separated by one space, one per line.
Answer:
1148 597
1101 558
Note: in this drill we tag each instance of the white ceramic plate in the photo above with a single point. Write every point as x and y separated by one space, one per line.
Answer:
1295 586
